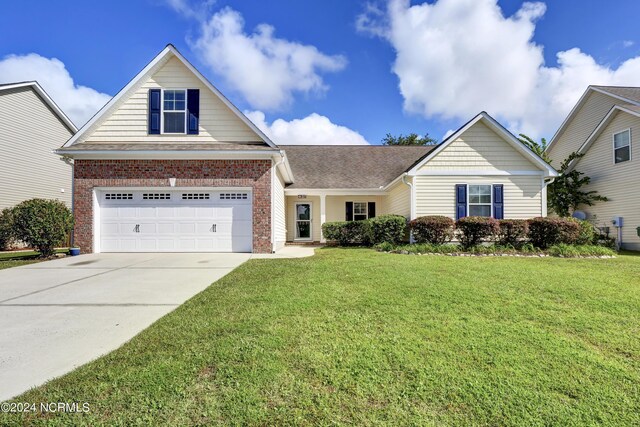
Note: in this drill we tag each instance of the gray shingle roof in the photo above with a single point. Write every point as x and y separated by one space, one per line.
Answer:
350 166
627 92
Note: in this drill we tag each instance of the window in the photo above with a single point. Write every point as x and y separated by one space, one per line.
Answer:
480 200
359 211
233 196
195 196
156 196
622 146
118 196
174 111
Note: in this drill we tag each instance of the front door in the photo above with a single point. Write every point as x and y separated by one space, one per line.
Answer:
303 221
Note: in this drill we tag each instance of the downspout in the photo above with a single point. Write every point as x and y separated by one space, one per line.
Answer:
273 197
412 213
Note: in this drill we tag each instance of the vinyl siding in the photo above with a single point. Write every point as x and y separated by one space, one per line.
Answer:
618 182
29 131
279 221
479 148
128 122
435 195
595 107
336 205
398 200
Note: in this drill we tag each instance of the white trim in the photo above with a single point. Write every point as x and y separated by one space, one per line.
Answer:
161 58
273 206
578 106
477 172
323 216
47 99
482 204
543 207
166 154
613 142
366 208
334 192
295 223
96 219
497 128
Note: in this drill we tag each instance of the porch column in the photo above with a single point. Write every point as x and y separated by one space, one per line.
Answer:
323 216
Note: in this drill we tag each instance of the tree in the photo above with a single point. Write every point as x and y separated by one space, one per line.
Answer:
538 148
564 194
411 139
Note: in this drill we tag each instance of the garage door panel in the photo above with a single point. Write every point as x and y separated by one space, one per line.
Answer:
204 223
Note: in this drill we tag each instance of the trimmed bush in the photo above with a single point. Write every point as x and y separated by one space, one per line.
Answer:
7 236
42 224
473 230
512 231
545 232
435 230
388 228
347 233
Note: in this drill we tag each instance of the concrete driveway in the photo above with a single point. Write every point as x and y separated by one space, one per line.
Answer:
57 315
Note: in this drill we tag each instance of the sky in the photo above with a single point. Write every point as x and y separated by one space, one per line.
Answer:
336 71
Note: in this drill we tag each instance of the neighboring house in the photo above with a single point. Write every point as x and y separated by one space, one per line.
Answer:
604 125
31 127
169 164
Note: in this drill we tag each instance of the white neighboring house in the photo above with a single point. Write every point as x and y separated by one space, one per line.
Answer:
604 126
31 127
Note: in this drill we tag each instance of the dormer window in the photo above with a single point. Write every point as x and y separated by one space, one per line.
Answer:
174 111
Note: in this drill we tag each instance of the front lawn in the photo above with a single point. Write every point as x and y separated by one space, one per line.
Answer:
18 258
354 336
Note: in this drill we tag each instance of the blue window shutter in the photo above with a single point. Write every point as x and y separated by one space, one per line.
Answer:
348 216
461 200
193 111
154 111
498 201
371 209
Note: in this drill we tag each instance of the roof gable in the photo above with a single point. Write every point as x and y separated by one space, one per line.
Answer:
490 123
35 86
170 68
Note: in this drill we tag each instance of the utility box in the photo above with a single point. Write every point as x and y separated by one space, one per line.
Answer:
617 221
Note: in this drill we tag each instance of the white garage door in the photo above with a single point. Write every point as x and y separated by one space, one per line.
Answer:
161 220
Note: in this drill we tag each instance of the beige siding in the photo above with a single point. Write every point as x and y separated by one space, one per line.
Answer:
398 200
595 107
29 131
128 123
280 225
435 195
479 148
336 205
618 182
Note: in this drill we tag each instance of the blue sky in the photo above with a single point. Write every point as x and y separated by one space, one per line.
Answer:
370 67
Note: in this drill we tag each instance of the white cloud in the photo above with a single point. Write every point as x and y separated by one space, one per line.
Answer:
628 43
78 102
455 58
311 130
266 70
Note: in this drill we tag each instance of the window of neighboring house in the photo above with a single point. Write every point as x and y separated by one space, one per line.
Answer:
359 211
622 146
174 111
480 200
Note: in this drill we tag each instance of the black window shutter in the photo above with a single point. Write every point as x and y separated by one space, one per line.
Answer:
461 200
371 209
193 111
498 201
348 211
154 111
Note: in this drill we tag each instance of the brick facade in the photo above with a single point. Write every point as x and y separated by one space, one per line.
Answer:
89 174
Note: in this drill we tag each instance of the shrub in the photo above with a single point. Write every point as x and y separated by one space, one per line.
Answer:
385 247
435 230
587 233
6 228
42 224
388 228
472 230
545 232
512 231
348 232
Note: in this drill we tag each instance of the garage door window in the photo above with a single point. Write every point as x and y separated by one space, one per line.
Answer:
156 196
118 196
195 196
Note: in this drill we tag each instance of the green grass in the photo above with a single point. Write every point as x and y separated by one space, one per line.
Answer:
354 336
8 263
16 259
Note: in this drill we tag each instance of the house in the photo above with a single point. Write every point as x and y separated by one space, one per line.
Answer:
602 126
32 126
169 164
